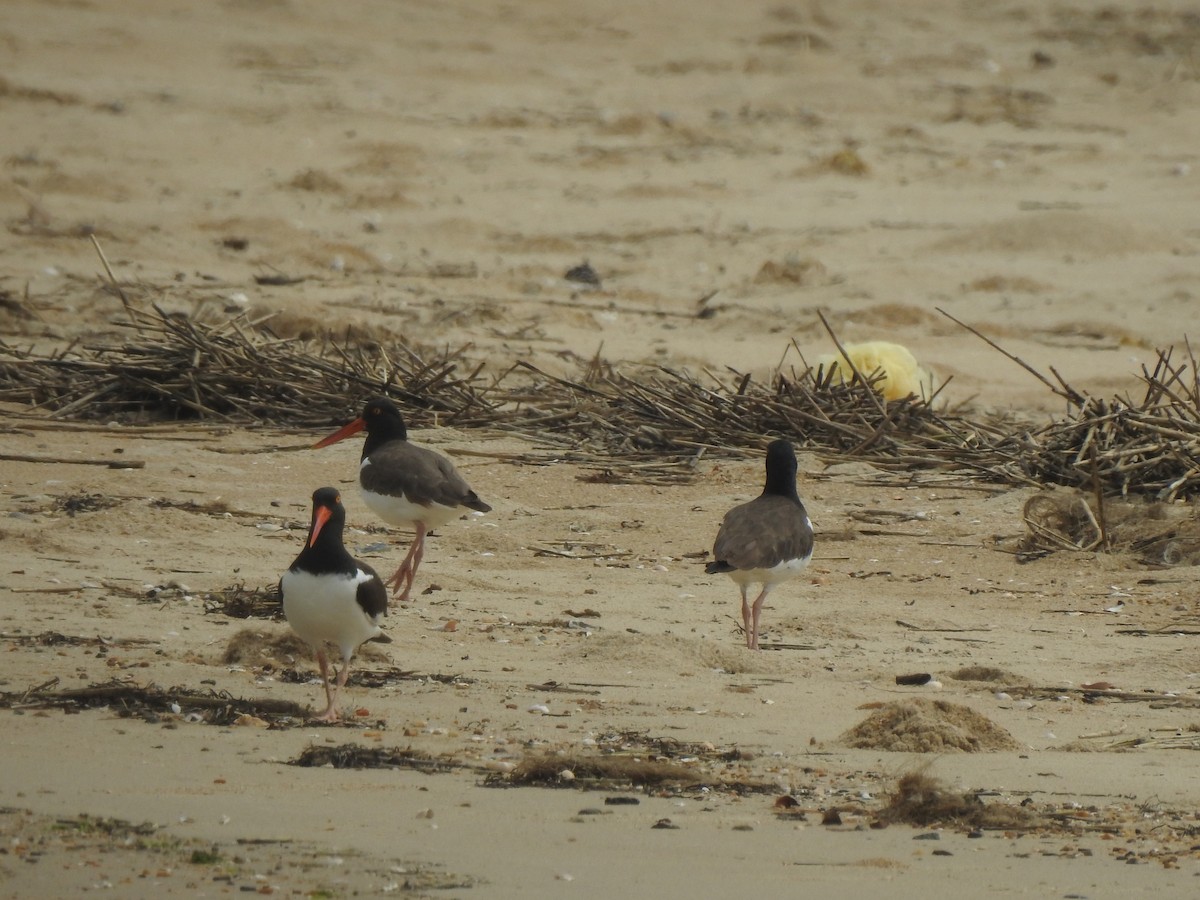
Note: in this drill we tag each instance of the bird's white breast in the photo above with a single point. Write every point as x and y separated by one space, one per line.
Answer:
324 608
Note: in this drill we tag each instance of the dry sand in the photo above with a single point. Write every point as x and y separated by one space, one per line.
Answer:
431 170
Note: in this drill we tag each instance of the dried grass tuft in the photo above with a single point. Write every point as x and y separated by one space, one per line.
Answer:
1160 534
355 756
600 771
922 800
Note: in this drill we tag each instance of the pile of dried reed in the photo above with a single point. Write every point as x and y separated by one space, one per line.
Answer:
644 424
176 368
1121 446
173 367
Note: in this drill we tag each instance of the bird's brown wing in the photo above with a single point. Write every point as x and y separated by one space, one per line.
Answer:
763 533
421 475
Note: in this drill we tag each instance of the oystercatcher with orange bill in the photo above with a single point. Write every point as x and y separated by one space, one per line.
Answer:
765 541
329 596
405 484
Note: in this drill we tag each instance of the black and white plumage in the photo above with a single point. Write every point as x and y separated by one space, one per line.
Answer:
405 484
765 541
329 596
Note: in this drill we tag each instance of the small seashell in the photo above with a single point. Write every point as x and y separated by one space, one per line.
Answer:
566 775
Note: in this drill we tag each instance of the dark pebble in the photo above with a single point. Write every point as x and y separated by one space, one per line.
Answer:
583 274
621 801
928 836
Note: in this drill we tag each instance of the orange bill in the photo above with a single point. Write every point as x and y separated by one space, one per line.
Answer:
323 515
353 428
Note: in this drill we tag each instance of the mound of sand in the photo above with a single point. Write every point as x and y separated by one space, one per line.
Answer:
677 654
927 726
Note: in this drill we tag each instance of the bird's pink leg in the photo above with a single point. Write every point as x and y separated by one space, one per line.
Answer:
756 612
329 713
343 675
747 620
408 569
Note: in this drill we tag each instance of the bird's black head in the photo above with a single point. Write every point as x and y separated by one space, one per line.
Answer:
328 518
781 469
326 497
382 419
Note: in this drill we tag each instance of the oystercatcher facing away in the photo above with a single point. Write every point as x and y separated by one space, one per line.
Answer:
405 484
767 540
329 596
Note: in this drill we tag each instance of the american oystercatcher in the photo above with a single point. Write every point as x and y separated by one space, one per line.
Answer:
329 596
767 540
405 484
